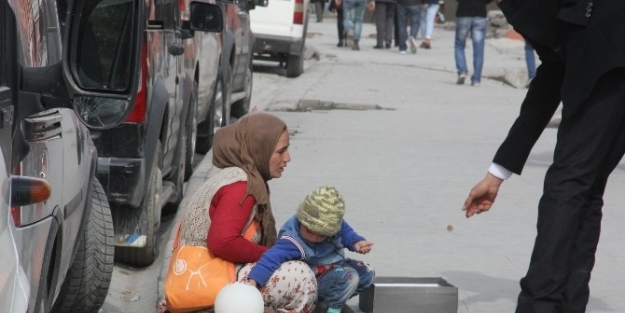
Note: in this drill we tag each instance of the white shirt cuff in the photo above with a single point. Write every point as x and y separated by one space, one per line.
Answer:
499 171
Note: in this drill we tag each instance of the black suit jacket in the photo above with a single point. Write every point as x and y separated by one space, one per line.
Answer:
573 57
537 109
589 47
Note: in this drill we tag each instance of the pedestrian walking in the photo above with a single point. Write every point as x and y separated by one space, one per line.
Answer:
318 235
585 70
470 19
319 8
408 10
384 20
339 21
353 12
431 9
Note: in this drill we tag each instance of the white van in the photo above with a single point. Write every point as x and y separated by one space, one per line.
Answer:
280 31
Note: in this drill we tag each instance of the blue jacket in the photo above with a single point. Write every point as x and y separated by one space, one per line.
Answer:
291 246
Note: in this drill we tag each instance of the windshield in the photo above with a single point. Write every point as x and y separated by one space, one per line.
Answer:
104 45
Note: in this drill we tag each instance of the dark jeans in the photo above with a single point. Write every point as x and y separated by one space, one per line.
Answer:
339 22
412 12
590 144
384 15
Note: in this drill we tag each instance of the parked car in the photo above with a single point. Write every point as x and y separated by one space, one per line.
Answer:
125 54
280 30
62 258
234 88
202 59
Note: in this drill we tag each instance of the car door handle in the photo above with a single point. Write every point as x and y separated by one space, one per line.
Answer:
176 49
243 15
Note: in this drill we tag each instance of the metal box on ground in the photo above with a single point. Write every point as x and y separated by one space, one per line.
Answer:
409 295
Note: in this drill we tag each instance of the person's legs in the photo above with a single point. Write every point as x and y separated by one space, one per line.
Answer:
432 9
590 143
414 13
337 285
319 7
348 15
380 23
463 25
293 287
339 25
478 34
365 272
402 11
388 29
530 61
422 19
359 12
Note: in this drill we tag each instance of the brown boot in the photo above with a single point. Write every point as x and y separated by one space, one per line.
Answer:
355 46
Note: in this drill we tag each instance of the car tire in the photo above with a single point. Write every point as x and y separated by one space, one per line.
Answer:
242 107
150 212
218 115
191 130
294 65
88 279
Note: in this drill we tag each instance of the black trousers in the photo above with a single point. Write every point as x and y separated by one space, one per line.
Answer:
590 144
339 22
384 22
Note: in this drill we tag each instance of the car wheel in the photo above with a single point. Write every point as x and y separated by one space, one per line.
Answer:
87 282
294 65
150 212
242 106
191 130
218 115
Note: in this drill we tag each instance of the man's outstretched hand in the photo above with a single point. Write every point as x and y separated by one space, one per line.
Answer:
482 195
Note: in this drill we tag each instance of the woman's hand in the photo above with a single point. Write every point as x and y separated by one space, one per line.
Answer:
363 246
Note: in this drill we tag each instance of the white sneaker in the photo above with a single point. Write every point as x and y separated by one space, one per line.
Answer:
461 79
402 51
413 44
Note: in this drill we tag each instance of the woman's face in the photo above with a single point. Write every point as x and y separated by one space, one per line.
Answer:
280 156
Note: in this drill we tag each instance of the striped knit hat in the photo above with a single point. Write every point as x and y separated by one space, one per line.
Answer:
322 211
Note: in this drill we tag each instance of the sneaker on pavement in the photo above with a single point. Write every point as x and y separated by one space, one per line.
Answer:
461 79
402 51
475 84
413 44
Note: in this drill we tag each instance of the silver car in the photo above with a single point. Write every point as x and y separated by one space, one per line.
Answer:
59 251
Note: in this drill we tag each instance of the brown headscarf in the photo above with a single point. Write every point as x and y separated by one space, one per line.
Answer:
249 144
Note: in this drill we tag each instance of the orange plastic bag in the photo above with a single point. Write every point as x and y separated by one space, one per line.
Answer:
195 275
194 278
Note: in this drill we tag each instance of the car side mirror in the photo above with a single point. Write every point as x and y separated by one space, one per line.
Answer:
206 17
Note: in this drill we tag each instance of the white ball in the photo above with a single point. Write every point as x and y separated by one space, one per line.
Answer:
239 298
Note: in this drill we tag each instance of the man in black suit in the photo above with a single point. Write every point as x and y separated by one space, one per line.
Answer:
582 49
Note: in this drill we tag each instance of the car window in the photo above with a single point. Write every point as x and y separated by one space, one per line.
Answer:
104 45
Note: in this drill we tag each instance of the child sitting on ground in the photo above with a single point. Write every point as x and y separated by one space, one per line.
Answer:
318 235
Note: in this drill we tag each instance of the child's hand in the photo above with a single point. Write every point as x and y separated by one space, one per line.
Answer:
363 247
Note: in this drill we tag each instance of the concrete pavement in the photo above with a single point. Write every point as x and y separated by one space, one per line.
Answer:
404 147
